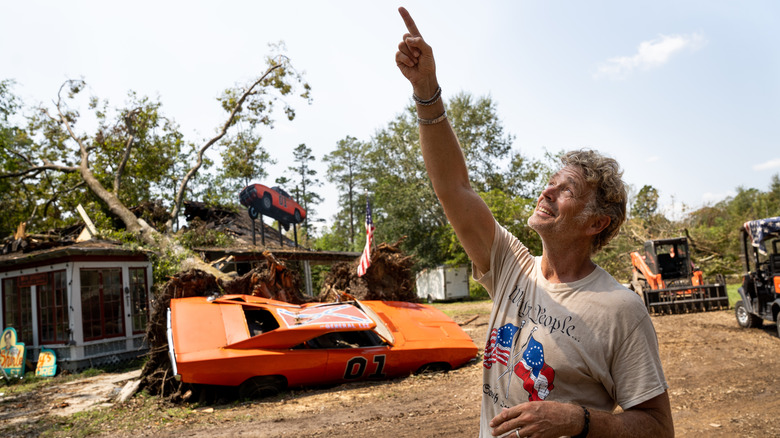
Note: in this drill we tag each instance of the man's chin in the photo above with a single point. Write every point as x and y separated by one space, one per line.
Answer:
534 223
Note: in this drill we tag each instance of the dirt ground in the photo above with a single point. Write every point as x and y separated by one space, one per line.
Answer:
724 382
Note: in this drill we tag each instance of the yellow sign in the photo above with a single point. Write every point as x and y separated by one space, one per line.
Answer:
12 354
47 363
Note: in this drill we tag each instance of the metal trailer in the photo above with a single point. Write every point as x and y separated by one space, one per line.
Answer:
443 283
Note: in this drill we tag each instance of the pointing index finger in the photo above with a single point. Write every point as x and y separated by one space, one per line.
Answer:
410 26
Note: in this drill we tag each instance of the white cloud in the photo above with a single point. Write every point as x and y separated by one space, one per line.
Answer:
771 164
652 159
650 54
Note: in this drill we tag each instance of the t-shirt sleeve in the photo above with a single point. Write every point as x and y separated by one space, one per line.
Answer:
636 368
507 251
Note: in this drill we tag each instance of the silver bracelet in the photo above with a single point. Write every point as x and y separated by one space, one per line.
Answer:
422 121
426 102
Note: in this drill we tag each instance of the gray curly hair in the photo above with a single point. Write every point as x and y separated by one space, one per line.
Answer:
604 174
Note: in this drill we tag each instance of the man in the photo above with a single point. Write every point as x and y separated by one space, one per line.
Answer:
568 344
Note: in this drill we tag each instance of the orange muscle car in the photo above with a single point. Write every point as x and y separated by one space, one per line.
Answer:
263 346
273 202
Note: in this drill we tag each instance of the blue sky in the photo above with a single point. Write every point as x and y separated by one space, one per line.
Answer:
684 94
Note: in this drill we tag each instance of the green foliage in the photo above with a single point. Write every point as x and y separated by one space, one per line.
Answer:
646 203
205 238
244 160
166 263
135 152
346 171
477 291
305 180
390 167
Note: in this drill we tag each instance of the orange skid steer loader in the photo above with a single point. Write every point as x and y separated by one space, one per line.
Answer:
668 282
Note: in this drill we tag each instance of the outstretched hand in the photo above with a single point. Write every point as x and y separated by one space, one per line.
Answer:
415 58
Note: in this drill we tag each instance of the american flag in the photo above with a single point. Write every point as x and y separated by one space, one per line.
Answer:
499 345
365 258
536 375
760 230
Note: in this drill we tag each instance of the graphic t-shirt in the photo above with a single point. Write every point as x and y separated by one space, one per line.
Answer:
589 342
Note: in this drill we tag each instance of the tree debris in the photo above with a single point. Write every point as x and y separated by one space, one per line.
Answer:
388 278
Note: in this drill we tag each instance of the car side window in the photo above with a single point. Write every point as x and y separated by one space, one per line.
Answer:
357 339
259 321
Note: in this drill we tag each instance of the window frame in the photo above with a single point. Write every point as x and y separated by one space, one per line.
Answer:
102 305
60 310
134 299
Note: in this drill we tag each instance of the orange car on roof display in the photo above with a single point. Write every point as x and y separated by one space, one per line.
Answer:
264 346
273 202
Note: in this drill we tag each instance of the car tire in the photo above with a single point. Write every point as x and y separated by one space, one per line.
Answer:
267 202
262 386
435 367
430 299
746 319
253 213
778 326
297 216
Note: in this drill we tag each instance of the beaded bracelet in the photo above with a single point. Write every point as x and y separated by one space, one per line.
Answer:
422 121
586 427
426 102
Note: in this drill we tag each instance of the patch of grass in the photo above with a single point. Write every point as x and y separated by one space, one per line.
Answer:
142 412
471 307
732 292
31 382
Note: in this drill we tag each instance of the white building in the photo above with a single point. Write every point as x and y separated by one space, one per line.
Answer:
89 302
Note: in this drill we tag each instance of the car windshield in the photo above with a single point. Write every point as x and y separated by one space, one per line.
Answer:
280 191
381 328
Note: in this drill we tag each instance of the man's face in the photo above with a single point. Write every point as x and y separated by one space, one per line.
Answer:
561 208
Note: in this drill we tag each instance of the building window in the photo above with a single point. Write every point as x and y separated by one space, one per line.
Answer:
101 303
139 299
17 309
53 309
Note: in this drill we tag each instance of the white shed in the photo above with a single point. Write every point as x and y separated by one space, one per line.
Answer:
443 283
89 302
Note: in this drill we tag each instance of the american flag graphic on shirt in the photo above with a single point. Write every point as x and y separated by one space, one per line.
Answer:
499 345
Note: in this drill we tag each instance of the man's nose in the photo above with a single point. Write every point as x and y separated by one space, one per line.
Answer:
550 192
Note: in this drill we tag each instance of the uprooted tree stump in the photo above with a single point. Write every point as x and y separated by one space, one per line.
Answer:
157 373
273 280
388 278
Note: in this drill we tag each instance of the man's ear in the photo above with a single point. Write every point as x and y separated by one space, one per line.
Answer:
598 223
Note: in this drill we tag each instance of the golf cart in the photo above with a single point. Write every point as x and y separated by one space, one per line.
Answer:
760 291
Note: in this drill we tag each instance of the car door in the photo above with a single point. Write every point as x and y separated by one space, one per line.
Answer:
355 356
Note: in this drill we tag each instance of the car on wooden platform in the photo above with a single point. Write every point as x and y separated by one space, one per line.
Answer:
263 346
273 202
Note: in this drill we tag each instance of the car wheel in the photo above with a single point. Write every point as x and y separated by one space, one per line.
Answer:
267 202
745 319
435 367
430 299
253 213
778 326
262 386
297 216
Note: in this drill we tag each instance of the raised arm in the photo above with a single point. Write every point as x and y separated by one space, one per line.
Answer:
469 216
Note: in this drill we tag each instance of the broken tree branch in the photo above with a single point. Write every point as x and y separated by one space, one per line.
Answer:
129 120
223 131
